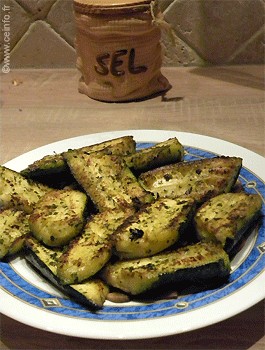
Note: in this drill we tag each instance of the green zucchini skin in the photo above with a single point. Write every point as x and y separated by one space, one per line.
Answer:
199 179
14 230
153 228
107 181
196 263
227 217
91 294
163 153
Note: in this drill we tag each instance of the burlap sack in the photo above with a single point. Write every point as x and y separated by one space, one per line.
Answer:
118 49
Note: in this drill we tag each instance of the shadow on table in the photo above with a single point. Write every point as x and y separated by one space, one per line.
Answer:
254 77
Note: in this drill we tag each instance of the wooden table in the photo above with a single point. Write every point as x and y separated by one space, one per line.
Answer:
43 106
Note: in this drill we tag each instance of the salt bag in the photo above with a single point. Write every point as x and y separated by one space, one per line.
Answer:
118 49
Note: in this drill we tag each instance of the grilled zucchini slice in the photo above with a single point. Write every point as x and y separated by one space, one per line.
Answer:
122 146
88 253
199 179
14 229
194 263
107 180
18 192
49 164
227 217
92 293
53 169
58 216
153 228
167 152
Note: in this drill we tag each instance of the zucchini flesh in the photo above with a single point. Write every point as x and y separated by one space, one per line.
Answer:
89 252
107 180
196 263
167 152
153 228
92 293
18 192
14 229
58 216
226 217
199 179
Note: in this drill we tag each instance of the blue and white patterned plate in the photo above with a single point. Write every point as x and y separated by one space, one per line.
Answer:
27 297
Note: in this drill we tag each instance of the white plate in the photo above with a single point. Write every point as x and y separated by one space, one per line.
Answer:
28 298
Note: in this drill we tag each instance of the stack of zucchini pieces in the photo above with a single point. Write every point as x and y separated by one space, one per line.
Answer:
107 216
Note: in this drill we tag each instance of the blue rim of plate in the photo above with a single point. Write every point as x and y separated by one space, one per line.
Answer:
251 267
